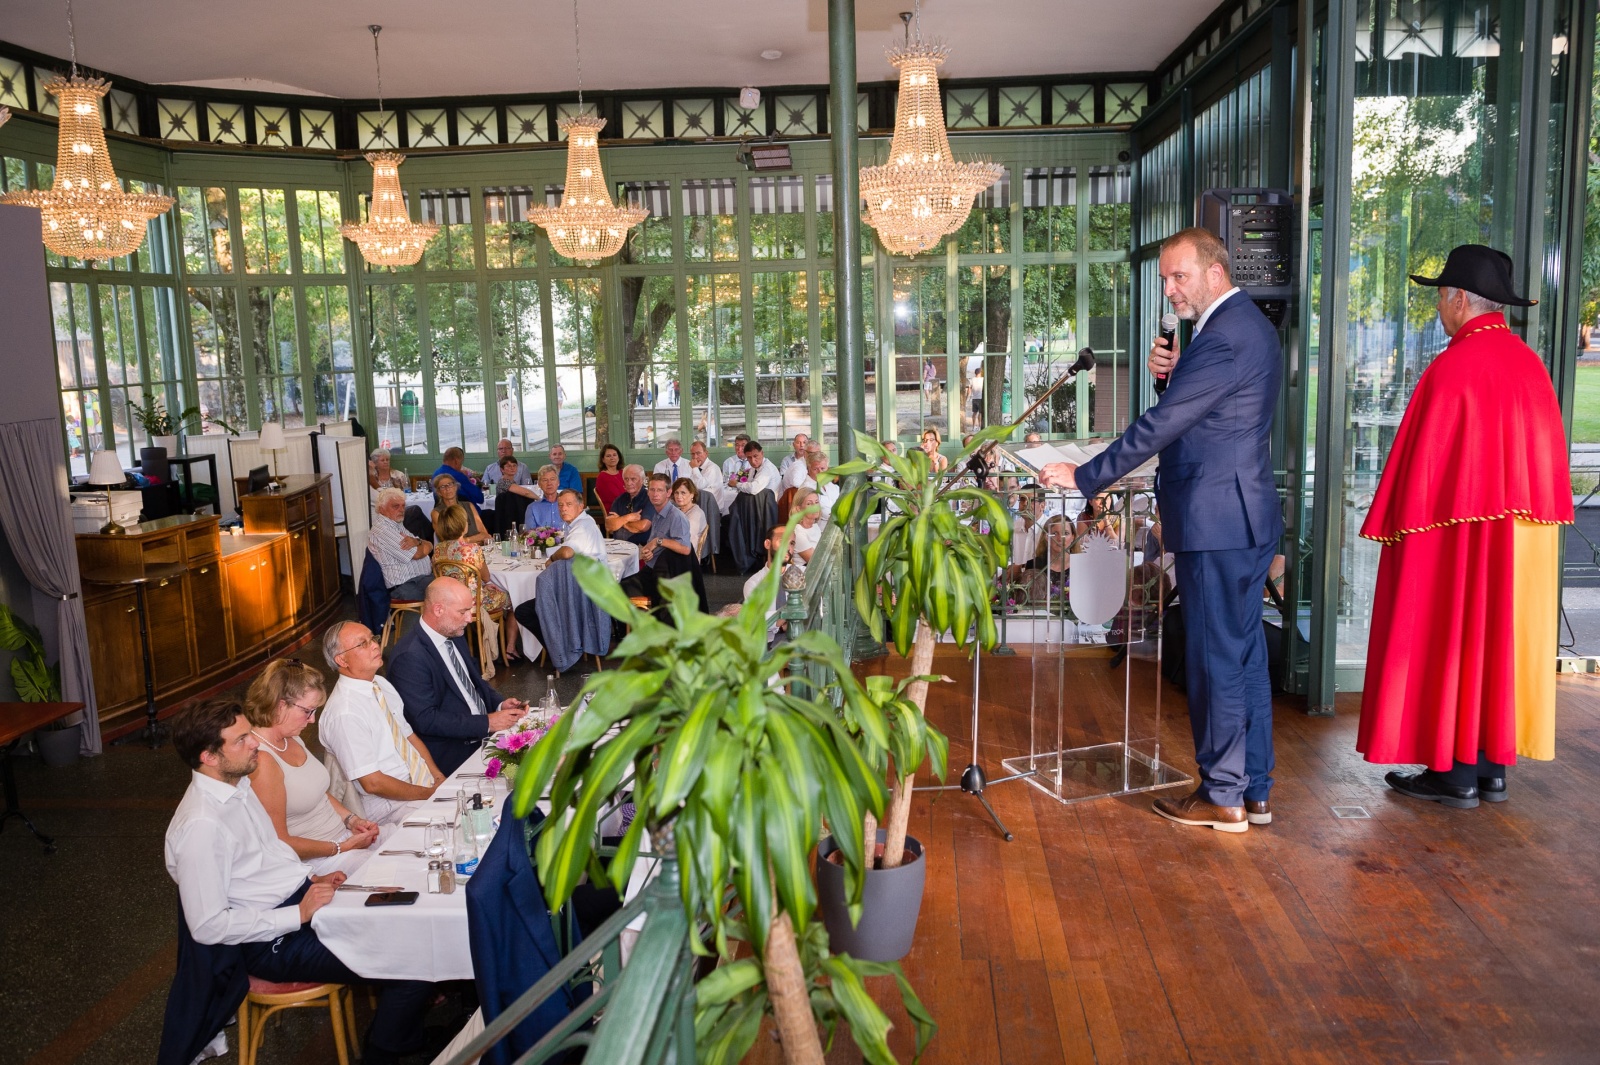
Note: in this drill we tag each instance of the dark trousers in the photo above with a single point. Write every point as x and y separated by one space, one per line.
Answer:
1230 691
300 956
1466 774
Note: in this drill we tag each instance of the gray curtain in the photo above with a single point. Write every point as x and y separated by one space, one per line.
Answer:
37 520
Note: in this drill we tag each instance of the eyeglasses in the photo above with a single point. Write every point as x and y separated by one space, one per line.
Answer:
359 644
309 711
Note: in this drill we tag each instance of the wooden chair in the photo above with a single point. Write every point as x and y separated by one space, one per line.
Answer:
421 480
266 998
391 625
468 575
786 504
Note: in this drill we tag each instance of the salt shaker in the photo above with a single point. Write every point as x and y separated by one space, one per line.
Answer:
434 878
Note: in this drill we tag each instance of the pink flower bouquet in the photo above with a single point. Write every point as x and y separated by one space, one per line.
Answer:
506 750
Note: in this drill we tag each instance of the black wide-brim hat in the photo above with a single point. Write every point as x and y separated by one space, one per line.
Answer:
1481 269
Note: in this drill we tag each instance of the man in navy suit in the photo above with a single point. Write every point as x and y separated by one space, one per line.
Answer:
448 704
1219 515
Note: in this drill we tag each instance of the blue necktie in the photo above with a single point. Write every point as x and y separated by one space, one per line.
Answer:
674 473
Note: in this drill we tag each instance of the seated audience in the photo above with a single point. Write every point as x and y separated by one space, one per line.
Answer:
674 465
670 549
628 518
755 509
736 461
449 704
445 496
775 624
246 895
452 547
365 729
380 474
608 482
583 535
808 532
567 474
828 494
684 496
511 497
801 443
407 569
450 466
708 477
930 447
291 784
544 510
496 473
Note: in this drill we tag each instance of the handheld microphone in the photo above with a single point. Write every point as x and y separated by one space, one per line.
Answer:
1169 333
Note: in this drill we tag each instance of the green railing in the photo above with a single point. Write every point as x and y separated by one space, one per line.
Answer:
645 1010
828 602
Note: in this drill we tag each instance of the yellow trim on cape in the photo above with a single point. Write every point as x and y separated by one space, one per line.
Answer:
1519 515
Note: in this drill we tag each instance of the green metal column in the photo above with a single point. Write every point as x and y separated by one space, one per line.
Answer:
1327 512
846 223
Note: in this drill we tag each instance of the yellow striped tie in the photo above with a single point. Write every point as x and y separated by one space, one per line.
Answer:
416 768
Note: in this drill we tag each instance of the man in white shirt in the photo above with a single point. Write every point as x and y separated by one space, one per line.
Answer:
243 889
736 461
754 511
407 567
794 473
583 535
674 465
828 494
494 474
365 729
801 444
708 477
449 704
763 474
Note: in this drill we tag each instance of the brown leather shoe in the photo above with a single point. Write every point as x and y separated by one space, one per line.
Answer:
1258 813
1193 810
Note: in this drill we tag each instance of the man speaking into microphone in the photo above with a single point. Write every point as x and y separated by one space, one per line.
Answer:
1220 516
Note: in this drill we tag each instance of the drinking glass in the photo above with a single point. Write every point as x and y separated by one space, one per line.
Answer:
435 840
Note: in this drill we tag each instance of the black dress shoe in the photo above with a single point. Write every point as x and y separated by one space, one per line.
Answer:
1431 787
1492 789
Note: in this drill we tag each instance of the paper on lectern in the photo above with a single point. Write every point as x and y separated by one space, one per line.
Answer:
1076 452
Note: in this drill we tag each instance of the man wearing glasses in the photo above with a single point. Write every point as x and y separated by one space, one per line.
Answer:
364 726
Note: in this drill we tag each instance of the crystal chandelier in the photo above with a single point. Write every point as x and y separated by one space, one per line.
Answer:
388 237
587 226
85 213
921 194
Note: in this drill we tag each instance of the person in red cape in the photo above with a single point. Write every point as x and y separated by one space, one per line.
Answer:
1460 663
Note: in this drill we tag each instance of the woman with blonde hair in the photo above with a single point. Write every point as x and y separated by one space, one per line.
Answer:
930 447
455 546
446 495
291 784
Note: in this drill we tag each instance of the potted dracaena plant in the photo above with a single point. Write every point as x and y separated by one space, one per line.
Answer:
37 681
929 571
735 773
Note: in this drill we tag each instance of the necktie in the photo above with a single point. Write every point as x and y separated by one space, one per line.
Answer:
476 700
416 768
674 473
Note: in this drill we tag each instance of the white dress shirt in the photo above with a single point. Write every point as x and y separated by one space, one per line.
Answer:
764 479
452 656
827 496
585 538
709 478
232 870
665 466
795 476
806 539
789 460
354 732
1206 317
732 465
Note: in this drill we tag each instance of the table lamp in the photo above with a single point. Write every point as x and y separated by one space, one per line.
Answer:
105 471
271 441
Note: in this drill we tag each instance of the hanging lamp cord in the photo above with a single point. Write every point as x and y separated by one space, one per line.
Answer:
377 61
72 40
577 46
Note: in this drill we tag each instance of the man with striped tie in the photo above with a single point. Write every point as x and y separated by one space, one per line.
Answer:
365 729
449 704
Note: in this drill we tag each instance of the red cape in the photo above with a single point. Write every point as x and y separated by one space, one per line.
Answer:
1481 439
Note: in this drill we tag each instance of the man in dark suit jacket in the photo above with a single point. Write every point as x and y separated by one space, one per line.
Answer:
1219 515
449 705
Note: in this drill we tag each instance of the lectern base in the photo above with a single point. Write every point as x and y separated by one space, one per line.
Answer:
1101 772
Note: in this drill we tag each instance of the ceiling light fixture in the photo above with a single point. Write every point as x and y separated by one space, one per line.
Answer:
587 226
921 194
85 213
388 237
772 53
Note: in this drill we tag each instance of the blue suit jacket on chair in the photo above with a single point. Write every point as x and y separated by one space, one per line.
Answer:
435 708
1212 428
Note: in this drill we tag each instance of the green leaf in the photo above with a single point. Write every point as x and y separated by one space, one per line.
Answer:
539 765
569 856
16 634
621 867
617 693
788 845
869 1025
914 1008
683 755
733 1036
728 981
720 777
752 882
597 582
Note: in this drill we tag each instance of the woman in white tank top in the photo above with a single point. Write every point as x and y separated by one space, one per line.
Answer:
293 785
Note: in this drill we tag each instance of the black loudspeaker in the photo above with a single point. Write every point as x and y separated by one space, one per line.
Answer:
1258 226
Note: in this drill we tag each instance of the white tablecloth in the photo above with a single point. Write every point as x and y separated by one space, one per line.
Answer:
428 939
518 576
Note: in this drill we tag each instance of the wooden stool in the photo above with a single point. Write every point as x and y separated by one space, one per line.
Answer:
266 998
391 624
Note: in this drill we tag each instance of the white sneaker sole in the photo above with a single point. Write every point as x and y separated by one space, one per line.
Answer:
1220 826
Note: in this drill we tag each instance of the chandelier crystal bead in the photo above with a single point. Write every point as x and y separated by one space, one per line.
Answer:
389 237
921 194
587 226
85 214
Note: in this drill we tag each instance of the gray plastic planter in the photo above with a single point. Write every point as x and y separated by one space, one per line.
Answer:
890 904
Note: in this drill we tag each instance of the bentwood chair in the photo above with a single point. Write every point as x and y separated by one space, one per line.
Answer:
468 575
266 998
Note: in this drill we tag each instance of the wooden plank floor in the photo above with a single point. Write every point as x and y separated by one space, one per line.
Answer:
1106 934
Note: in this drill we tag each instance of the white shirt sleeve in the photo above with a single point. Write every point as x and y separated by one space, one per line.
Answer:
202 864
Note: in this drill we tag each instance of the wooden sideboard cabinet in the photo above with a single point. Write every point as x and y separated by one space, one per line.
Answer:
216 606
